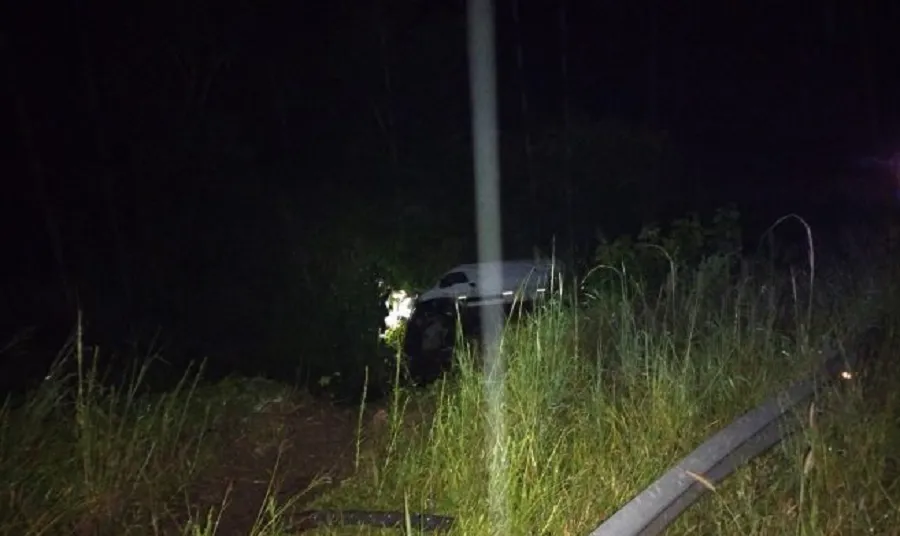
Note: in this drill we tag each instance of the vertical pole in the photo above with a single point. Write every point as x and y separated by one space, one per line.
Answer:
483 90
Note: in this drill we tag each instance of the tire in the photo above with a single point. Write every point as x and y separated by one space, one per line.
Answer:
430 339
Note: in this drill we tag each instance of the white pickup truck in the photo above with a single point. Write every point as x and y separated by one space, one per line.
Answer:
528 278
431 331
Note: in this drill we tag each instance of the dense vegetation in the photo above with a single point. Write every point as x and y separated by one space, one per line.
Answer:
601 395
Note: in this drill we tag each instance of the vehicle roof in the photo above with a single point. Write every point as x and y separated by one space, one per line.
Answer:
513 264
510 270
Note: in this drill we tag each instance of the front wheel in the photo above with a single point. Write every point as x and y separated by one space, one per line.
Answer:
429 342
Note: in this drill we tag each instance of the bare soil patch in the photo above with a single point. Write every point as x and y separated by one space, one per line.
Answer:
290 450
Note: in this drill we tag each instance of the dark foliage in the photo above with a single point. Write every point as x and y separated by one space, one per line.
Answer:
232 181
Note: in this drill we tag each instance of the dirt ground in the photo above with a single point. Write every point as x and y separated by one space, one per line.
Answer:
312 444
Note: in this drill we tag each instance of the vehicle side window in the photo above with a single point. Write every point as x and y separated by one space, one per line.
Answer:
453 278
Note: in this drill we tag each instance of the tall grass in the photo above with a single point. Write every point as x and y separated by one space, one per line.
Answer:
601 397
78 456
87 456
592 419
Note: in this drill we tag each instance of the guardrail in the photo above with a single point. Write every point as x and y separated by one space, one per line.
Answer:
752 434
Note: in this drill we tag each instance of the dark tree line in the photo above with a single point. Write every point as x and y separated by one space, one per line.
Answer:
232 179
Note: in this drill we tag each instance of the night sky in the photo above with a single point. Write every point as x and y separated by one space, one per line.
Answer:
192 166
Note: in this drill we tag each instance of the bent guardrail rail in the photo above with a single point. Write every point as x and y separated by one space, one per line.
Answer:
752 434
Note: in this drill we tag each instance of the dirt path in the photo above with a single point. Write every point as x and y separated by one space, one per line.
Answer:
311 442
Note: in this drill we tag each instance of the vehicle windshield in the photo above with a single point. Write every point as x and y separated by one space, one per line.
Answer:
453 278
